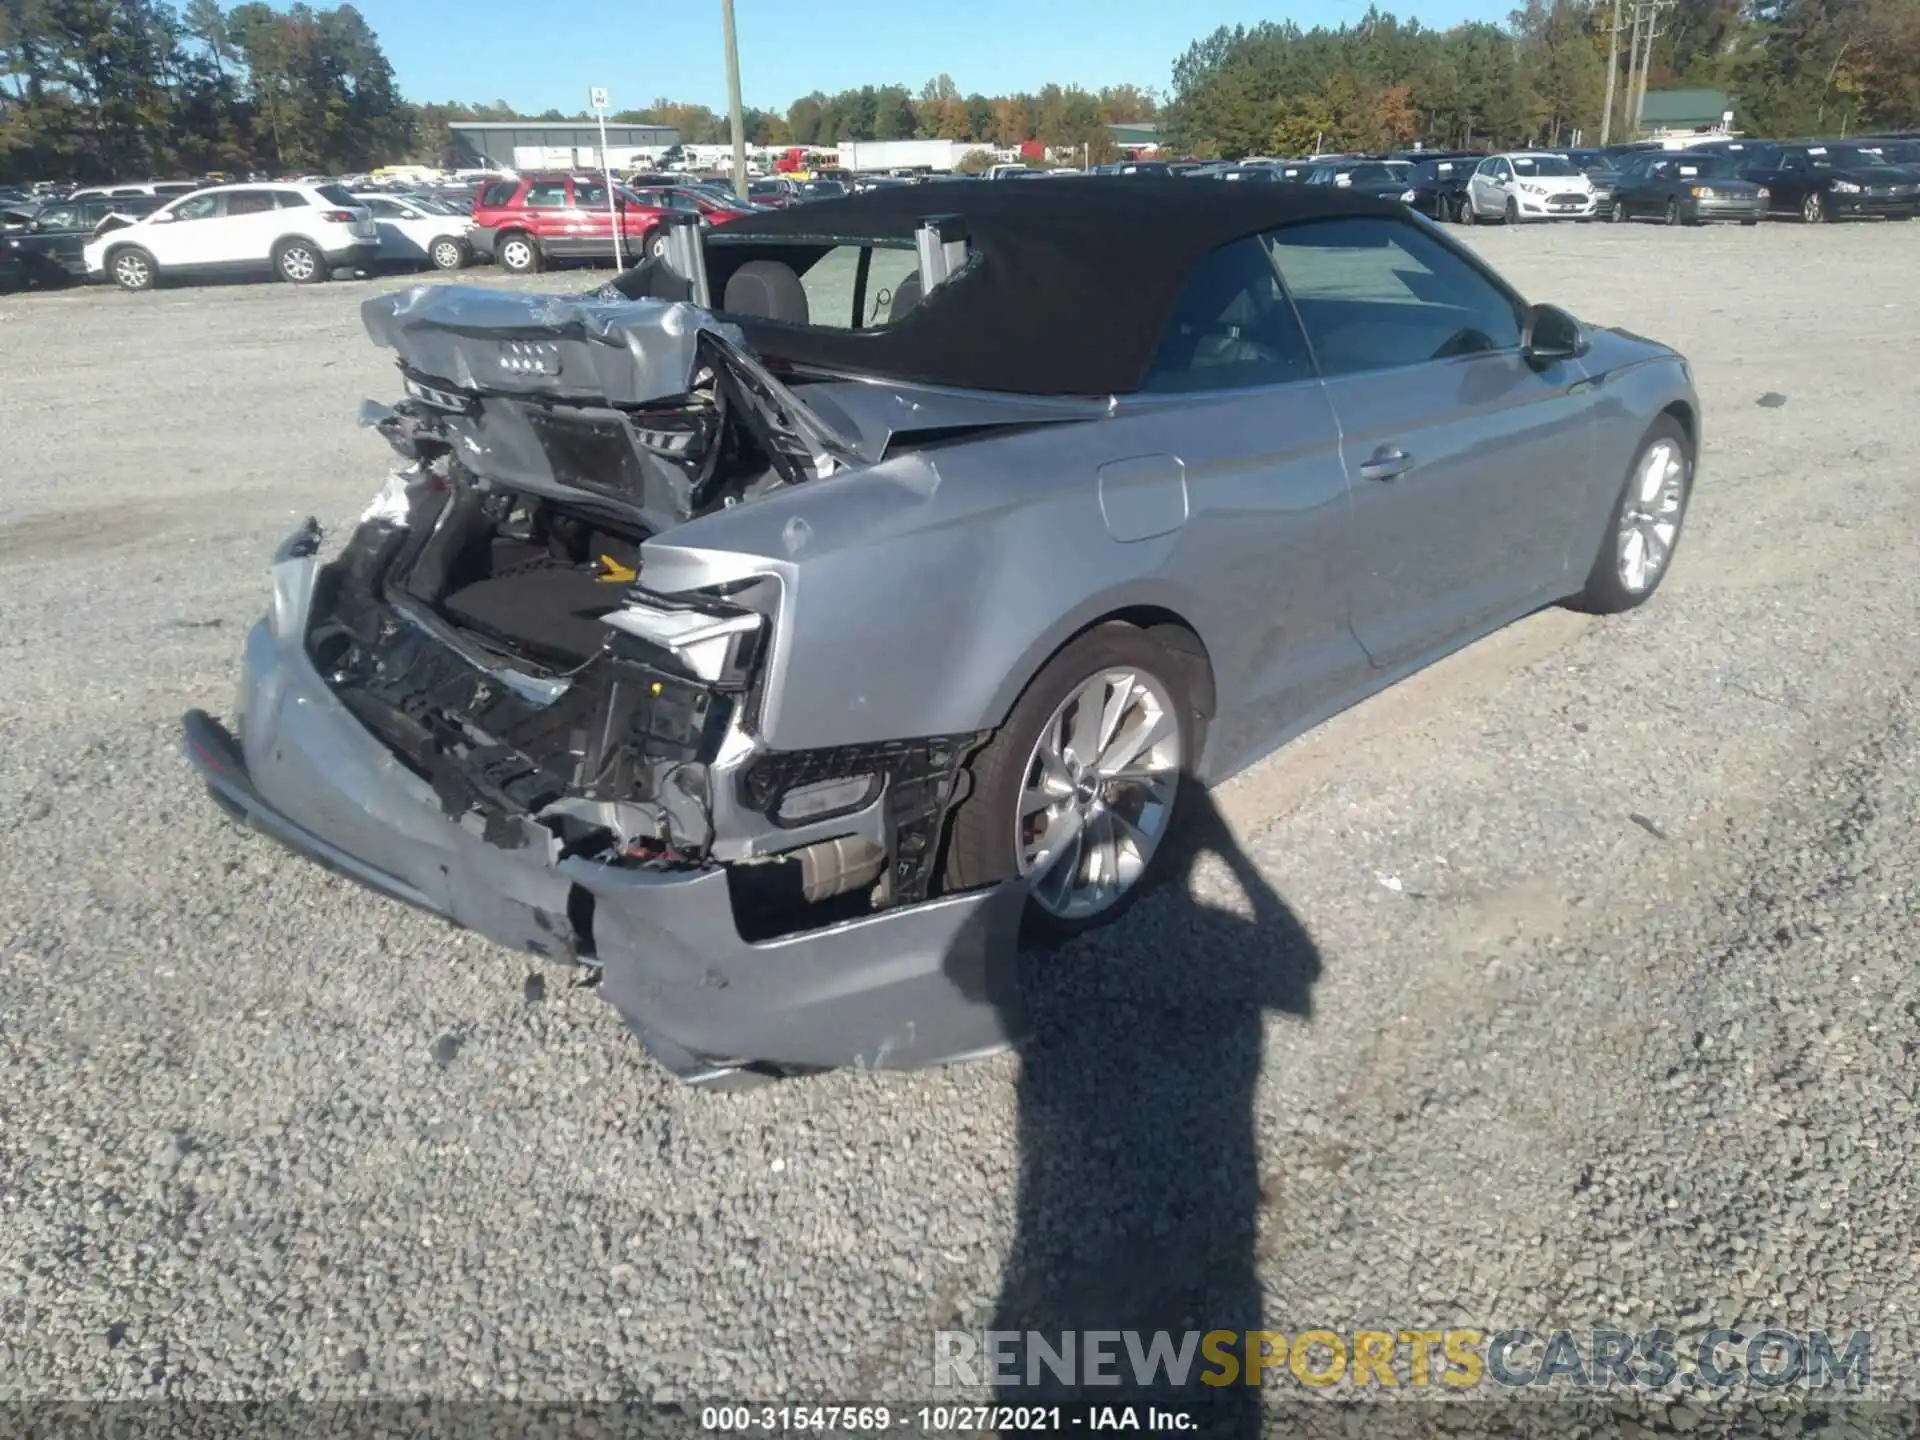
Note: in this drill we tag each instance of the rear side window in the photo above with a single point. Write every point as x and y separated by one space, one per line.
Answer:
249 202
1232 328
498 193
1376 294
590 193
547 195
335 194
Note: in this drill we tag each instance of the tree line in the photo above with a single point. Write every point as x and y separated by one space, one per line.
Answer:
1792 67
98 89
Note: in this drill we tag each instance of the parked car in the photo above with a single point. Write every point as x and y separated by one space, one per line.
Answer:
1257 174
792 813
52 246
1529 185
1684 188
1439 188
151 189
302 233
1822 181
1388 178
1602 169
530 222
418 231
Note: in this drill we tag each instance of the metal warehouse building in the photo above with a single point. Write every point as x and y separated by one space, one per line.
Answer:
544 144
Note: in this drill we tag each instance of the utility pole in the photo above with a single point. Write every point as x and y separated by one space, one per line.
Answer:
733 102
1630 119
1613 68
1638 99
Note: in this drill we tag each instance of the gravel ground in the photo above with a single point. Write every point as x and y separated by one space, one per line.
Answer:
1568 984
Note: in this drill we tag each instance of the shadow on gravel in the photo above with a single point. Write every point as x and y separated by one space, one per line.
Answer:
1139 1166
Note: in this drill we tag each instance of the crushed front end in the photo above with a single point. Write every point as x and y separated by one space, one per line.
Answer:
481 707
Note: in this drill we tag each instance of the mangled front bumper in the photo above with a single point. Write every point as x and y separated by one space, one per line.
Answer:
917 985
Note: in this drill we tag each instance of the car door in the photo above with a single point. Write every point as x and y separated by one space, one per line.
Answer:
1467 463
1792 179
593 222
244 234
1490 185
176 237
400 226
547 216
1229 460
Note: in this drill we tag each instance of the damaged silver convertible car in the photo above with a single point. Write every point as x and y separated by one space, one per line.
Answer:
779 628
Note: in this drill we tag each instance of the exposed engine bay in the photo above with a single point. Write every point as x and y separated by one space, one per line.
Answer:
488 620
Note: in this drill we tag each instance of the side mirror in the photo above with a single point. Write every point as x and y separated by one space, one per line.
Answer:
1552 335
160 217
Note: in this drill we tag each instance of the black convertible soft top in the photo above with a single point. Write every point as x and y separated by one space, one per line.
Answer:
1071 286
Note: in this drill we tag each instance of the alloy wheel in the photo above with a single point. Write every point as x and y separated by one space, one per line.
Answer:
447 255
297 263
1098 792
1619 213
132 271
1813 211
517 255
1650 517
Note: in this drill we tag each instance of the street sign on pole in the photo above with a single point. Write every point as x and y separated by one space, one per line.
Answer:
597 102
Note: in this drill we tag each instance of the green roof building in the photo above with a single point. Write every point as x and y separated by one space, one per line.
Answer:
1685 112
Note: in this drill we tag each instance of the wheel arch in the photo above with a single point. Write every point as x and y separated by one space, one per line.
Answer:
294 237
1160 622
1689 421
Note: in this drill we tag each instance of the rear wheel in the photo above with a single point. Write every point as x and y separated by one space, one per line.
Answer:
1814 210
1645 525
299 262
1078 789
447 254
133 269
519 254
656 244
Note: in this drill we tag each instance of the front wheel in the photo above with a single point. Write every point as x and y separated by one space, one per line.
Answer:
1511 216
1078 789
133 269
656 244
1814 211
447 254
1673 212
1645 527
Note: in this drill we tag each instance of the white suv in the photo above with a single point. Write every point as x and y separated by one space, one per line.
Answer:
301 233
415 228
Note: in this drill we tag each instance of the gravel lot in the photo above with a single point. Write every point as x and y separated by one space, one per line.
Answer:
1570 983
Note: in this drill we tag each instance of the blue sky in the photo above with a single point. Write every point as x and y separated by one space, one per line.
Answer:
540 56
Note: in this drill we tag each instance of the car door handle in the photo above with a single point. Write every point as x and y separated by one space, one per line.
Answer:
1387 463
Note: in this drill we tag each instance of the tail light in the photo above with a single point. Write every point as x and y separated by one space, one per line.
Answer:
339 217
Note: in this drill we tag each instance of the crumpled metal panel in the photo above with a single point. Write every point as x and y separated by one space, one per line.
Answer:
625 352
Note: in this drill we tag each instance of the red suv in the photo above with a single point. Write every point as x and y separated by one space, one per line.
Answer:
528 222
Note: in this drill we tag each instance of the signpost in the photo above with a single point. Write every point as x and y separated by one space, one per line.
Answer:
597 102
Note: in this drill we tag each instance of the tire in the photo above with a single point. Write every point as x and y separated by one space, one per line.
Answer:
655 245
1748 224
989 837
1813 210
133 269
1512 214
519 253
1609 589
1617 215
300 262
447 253
1673 212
